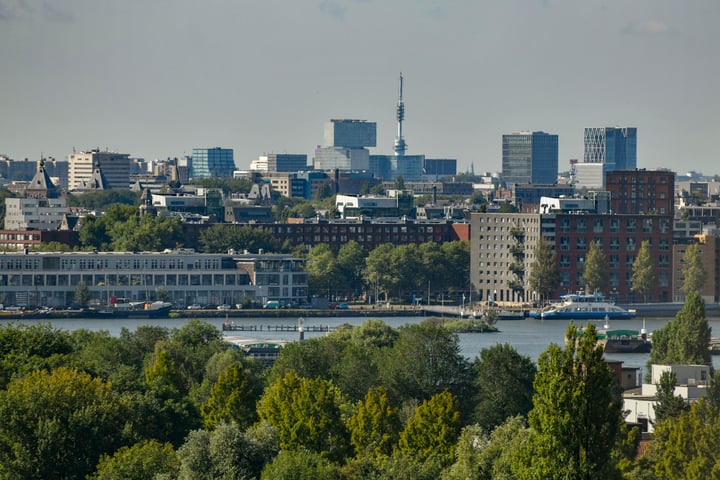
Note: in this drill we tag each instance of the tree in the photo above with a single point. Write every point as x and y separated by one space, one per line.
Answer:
377 273
350 262
225 453
322 269
57 424
686 447
147 459
82 294
596 276
643 271
486 457
544 274
667 404
434 428
223 237
576 414
685 339
375 427
307 414
424 361
405 265
455 264
231 399
300 465
692 270
504 385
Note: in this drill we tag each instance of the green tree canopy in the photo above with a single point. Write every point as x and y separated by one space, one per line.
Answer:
643 271
425 360
434 428
686 447
225 453
692 270
146 459
221 238
231 399
301 464
57 425
375 427
503 380
307 414
667 404
576 414
685 339
596 276
544 274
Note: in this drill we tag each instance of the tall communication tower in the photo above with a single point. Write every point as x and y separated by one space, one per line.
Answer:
400 145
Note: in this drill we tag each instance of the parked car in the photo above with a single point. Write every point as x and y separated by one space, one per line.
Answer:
194 306
272 304
224 306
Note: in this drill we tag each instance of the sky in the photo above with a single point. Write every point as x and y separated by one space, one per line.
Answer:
157 78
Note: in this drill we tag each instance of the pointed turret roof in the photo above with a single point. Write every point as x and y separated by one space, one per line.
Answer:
41 186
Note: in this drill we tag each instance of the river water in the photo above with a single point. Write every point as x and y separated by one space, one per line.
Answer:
529 337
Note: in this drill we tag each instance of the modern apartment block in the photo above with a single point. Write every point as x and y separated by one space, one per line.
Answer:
212 162
502 249
50 279
530 157
115 168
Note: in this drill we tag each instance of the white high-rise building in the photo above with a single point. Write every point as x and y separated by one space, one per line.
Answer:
115 168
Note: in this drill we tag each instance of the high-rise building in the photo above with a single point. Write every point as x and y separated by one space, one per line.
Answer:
115 167
280 162
346 143
614 147
530 157
212 162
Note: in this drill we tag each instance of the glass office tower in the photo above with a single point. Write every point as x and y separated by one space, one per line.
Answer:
530 158
212 162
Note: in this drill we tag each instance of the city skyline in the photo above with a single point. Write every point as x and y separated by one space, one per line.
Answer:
156 80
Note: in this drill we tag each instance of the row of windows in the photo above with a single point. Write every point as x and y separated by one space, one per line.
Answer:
112 280
663 279
631 225
631 243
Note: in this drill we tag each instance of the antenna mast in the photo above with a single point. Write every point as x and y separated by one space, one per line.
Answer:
400 145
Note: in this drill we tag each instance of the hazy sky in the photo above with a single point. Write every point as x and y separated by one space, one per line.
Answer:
157 78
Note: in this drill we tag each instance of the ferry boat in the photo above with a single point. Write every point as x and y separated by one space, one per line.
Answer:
583 306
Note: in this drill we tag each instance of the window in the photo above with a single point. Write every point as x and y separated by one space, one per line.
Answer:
631 225
629 261
614 243
614 261
647 225
614 225
630 244
598 225
581 225
582 244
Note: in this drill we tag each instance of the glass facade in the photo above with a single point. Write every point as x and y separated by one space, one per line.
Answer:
212 162
615 148
530 158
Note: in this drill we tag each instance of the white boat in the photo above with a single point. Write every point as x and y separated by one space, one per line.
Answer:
583 306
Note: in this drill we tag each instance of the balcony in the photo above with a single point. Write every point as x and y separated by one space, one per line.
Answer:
518 233
517 268
516 285
517 249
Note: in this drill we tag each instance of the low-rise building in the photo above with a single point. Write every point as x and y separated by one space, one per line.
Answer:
52 278
691 383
